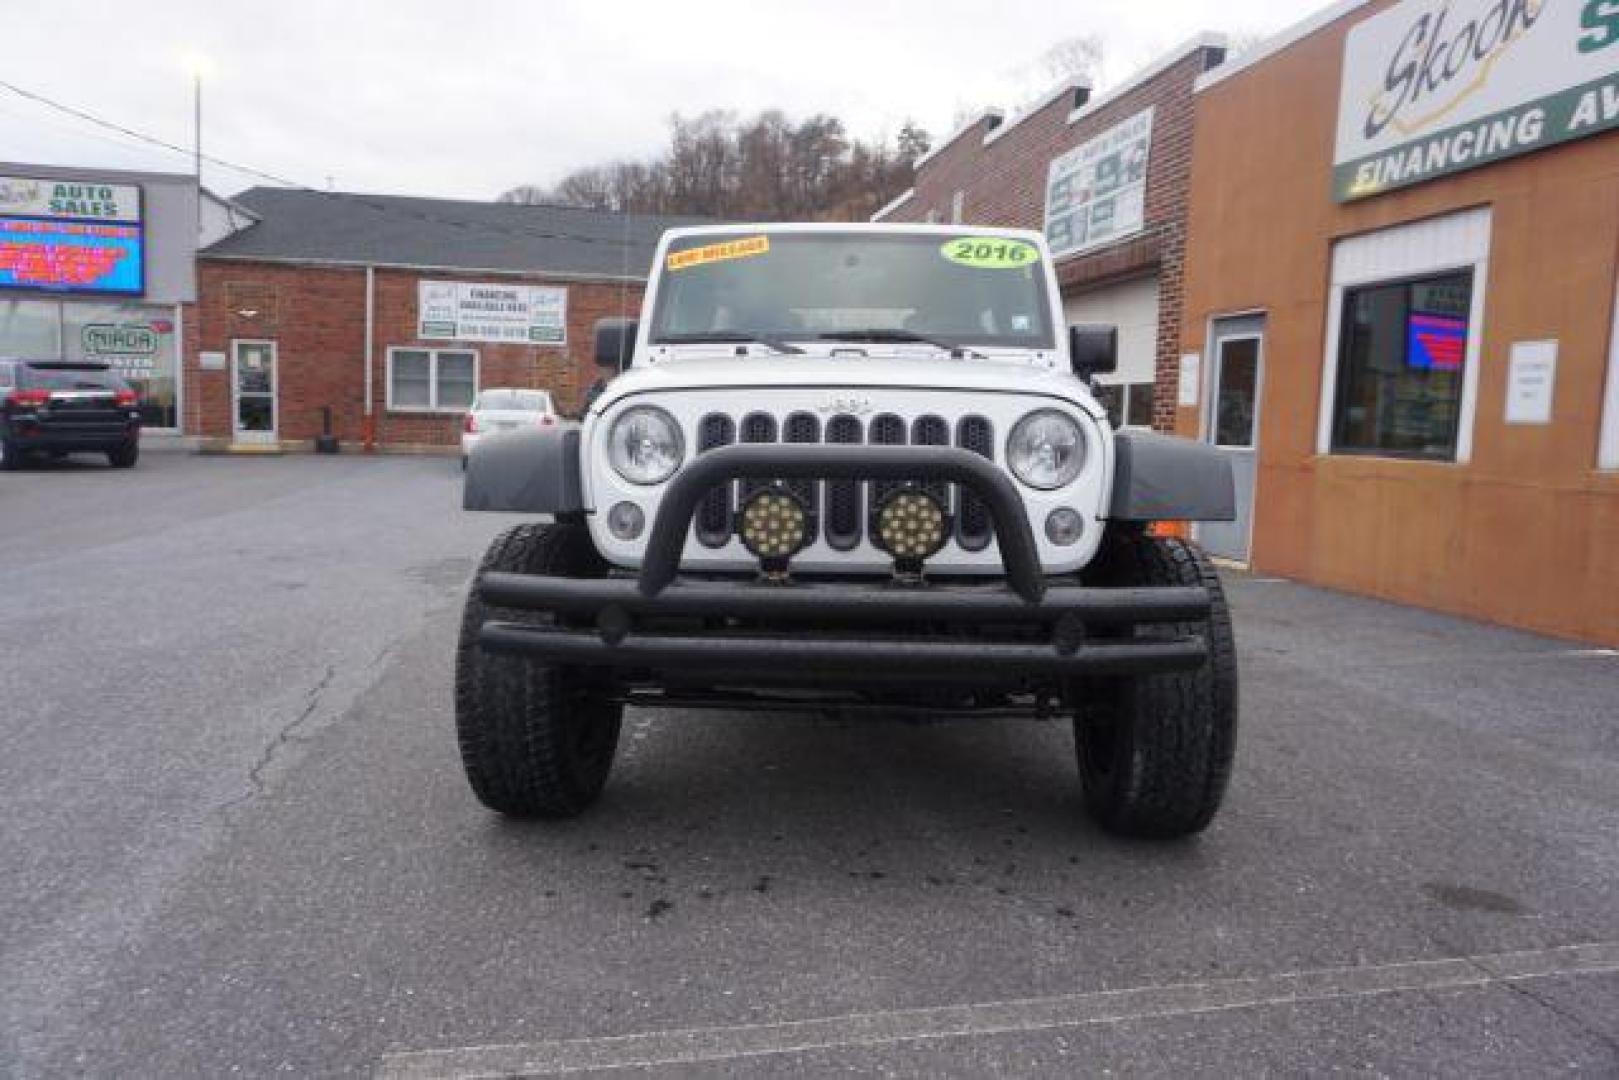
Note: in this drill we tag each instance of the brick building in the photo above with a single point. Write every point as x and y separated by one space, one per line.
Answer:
1106 177
392 312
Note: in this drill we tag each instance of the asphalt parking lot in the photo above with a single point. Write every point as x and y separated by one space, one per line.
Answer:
237 840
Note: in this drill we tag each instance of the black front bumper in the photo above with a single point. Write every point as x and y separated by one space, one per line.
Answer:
803 633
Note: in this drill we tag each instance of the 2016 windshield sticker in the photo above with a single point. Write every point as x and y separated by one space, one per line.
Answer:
745 248
990 252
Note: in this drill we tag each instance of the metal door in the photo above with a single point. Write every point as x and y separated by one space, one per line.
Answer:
1231 423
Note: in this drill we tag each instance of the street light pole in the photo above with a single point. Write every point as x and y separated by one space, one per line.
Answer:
196 118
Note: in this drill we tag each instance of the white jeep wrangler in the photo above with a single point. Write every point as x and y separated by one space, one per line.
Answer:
851 468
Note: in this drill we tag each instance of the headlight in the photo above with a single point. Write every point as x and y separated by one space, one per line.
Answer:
644 445
1046 449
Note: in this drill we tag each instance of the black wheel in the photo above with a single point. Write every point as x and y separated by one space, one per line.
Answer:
536 740
10 456
125 456
1155 751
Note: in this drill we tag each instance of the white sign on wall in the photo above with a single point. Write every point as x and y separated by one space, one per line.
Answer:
1531 382
493 312
1191 378
1096 193
85 200
1432 87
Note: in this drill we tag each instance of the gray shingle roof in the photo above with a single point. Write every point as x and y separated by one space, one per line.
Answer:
395 230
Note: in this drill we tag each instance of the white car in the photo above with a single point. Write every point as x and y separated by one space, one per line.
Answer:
856 468
501 410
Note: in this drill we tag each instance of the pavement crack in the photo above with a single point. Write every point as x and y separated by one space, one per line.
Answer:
288 733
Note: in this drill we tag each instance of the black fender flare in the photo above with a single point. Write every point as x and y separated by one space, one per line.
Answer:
1163 478
532 472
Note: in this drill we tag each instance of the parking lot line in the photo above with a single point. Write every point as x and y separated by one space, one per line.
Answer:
714 1044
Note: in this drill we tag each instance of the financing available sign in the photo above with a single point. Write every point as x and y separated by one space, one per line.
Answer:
503 314
1096 193
1432 87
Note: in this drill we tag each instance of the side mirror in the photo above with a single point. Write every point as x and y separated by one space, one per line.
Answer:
615 342
1093 349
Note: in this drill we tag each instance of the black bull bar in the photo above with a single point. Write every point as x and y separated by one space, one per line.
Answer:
784 632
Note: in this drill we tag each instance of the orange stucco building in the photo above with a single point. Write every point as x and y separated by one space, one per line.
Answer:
1400 310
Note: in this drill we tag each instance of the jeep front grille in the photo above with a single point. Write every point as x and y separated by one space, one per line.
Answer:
841 509
843 496
714 512
973 526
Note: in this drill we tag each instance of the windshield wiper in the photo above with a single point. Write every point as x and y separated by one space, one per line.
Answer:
741 337
894 334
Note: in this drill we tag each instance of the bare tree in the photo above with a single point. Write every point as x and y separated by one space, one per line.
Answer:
526 194
1080 56
765 168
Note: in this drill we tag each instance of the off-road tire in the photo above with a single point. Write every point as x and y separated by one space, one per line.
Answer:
1155 751
537 740
125 456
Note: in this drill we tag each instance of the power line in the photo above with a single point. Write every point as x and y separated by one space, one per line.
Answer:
143 136
373 204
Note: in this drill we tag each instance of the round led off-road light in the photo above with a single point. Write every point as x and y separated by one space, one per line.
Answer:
773 525
911 525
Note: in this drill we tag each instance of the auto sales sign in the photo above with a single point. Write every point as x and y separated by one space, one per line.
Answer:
1432 87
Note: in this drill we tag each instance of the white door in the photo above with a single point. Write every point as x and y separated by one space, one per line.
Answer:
1231 424
253 397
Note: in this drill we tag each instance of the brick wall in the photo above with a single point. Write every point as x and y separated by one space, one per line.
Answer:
316 317
1003 184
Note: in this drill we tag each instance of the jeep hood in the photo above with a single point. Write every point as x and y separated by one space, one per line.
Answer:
823 373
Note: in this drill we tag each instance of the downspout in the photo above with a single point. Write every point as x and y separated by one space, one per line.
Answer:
368 425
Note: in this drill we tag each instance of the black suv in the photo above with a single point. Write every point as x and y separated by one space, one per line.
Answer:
59 407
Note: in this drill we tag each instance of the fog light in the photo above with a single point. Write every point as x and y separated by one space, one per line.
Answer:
910 527
625 521
773 526
1064 526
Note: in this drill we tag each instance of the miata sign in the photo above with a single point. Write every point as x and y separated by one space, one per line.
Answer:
1432 87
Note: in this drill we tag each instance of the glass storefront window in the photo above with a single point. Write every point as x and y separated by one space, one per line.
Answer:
1404 345
31 329
139 341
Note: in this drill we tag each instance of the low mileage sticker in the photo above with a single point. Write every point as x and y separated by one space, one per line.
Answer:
744 248
990 252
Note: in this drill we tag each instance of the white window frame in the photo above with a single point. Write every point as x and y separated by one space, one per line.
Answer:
1608 441
958 203
1400 259
433 407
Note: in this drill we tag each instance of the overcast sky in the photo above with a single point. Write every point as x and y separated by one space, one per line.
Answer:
466 99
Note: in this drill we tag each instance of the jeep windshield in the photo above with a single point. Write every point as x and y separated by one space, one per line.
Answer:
852 288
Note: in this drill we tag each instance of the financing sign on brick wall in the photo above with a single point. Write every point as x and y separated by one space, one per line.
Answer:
494 312
1096 193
